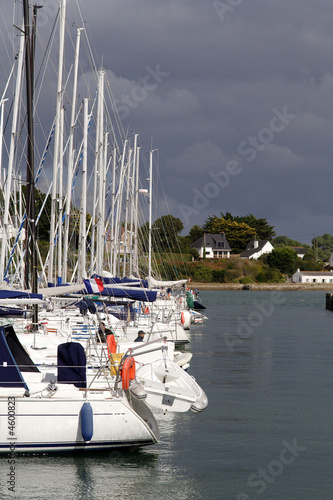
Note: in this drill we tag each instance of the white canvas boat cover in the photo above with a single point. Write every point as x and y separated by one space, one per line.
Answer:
61 290
168 284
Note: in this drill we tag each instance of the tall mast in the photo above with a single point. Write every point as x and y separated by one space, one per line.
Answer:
133 198
83 211
7 184
30 239
136 253
56 137
71 155
100 175
114 160
150 214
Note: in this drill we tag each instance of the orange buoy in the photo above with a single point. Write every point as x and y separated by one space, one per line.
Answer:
146 311
112 344
128 372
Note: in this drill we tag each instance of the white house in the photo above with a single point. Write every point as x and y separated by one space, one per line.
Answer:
312 277
214 245
256 248
301 251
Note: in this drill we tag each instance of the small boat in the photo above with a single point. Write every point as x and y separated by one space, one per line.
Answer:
169 388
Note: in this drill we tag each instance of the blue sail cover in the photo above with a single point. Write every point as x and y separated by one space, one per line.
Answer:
10 375
130 293
72 364
11 311
16 294
22 358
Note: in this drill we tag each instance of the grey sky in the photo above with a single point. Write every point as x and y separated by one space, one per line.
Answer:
232 90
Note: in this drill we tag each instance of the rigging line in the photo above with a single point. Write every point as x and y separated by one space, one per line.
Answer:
94 66
46 51
15 245
10 57
76 171
92 59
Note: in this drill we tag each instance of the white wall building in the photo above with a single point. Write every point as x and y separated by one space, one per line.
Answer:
256 248
312 277
214 245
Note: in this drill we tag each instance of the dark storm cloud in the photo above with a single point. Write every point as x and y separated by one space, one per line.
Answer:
205 79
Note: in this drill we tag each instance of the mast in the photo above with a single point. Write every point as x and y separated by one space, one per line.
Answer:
150 213
30 239
100 174
133 198
83 211
128 186
137 191
114 160
7 184
56 137
71 155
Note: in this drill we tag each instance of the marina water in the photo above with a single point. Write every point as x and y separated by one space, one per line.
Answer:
265 361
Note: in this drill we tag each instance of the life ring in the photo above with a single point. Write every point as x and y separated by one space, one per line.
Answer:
146 311
111 343
182 318
128 372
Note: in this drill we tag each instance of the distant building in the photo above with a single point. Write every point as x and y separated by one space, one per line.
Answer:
256 248
301 251
214 245
312 277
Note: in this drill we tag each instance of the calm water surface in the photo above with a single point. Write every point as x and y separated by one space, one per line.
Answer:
265 360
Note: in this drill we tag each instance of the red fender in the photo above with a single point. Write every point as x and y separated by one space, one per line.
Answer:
146 311
112 344
182 317
128 372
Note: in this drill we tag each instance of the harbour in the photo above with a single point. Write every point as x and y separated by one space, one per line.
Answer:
266 433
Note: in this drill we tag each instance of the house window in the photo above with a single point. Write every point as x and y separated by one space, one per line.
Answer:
314 280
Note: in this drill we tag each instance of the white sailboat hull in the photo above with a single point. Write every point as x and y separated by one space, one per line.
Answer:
55 425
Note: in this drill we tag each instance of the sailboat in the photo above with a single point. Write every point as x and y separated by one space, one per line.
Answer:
70 405
68 401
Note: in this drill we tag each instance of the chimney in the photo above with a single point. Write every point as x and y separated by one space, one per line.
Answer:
255 244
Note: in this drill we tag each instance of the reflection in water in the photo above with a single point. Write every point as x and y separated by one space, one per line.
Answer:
133 473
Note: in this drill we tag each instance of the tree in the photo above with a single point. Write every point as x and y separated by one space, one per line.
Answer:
165 237
237 234
165 230
284 259
324 246
284 241
195 233
263 230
